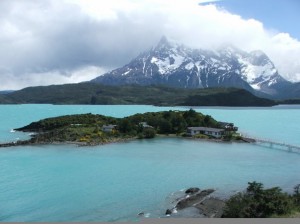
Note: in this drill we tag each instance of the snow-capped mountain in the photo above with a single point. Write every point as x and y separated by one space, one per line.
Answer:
176 65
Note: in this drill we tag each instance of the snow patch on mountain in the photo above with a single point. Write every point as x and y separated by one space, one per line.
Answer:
127 72
169 64
257 74
190 66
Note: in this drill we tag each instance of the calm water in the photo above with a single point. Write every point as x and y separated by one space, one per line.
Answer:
115 182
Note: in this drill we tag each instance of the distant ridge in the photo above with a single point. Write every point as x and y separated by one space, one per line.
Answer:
93 93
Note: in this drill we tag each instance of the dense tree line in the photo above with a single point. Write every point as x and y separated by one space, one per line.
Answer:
167 122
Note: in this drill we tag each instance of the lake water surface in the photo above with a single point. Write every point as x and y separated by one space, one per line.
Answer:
117 181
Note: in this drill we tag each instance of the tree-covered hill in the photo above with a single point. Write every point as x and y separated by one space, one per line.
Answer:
93 93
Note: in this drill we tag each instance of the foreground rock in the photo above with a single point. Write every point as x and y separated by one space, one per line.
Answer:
191 200
205 205
211 207
192 190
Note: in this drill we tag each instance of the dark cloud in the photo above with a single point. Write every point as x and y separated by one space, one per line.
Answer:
51 41
46 36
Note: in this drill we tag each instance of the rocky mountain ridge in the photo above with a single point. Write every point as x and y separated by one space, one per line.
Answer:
176 65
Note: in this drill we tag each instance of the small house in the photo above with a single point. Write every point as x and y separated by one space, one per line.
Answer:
145 125
215 132
108 128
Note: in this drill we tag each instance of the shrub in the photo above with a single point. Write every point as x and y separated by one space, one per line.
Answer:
258 202
202 136
149 133
227 137
297 194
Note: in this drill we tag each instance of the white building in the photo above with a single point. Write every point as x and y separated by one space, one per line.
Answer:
215 132
108 128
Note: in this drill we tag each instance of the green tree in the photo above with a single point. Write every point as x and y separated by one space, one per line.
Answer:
255 188
125 126
165 127
179 124
149 133
206 121
297 194
258 202
189 113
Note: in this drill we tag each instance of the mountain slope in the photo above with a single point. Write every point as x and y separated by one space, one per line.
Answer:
176 65
291 91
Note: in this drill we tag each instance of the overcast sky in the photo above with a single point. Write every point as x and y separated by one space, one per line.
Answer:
62 41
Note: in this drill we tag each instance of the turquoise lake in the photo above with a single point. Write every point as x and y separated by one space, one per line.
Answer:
117 181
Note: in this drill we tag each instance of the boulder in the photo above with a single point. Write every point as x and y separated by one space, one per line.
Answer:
168 212
192 190
197 203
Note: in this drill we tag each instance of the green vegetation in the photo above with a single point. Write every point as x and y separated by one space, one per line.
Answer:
88 128
258 202
97 94
232 136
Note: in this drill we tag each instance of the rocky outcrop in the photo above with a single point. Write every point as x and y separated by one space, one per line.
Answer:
192 190
201 200
196 198
211 207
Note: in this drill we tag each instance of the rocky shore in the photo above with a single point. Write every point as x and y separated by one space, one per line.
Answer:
38 142
17 143
34 141
200 202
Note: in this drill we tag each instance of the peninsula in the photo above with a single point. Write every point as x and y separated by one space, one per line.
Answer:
91 129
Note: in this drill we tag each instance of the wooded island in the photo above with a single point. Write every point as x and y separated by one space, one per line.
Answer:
91 129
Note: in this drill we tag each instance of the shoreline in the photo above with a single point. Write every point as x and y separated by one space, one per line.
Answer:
77 143
243 139
118 140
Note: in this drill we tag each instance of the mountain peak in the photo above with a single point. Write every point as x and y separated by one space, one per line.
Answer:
163 40
163 43
173 64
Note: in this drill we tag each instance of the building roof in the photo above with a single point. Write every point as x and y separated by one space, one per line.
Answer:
205 129
109 126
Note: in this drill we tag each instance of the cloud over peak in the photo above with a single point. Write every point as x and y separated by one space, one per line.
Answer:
42 41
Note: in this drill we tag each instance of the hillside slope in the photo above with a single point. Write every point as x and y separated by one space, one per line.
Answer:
93 93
